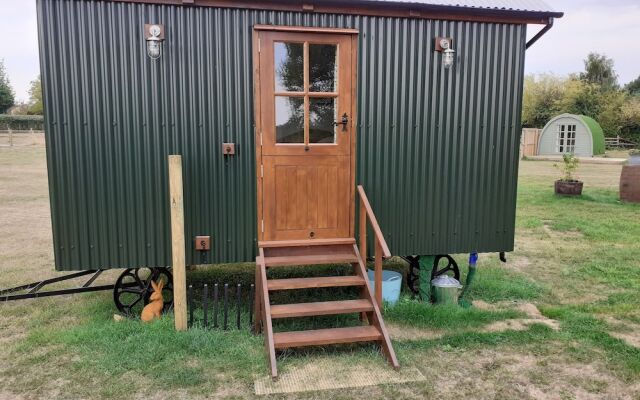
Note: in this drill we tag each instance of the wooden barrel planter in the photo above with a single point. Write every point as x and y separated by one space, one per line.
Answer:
630 183
568 188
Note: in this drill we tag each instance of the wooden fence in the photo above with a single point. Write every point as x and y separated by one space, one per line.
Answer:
619 143
19 138
529 142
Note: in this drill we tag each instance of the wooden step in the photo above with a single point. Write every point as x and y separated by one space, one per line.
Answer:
367 333
307 242
320 308
310 283
311 259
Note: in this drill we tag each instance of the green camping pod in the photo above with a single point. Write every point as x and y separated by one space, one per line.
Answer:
570 133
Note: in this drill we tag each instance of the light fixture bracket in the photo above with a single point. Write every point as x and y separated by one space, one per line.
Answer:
154 36
443 43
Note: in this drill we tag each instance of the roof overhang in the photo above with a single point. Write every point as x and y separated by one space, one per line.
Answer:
377 8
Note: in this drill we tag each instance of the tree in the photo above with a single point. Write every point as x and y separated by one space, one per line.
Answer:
633 87
610 116
630 119
541 95
580 97
7 98
35 98
598 70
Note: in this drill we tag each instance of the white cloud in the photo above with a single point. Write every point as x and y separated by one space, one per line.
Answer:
610 28
19 44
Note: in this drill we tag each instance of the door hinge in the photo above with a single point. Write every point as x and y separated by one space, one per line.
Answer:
258 45
262 222
260 138
261 171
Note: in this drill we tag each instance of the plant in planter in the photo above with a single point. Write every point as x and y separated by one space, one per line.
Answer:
634 157
568 185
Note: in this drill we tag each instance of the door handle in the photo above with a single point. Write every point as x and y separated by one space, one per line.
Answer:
343 122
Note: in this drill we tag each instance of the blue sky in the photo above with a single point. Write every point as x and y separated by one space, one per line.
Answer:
609 27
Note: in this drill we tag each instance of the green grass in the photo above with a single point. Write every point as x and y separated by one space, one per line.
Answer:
495 283
576 259
419 315
108 351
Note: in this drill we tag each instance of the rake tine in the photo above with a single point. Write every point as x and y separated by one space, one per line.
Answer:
238 299
215 305
226 305
190 304
205 304
251 295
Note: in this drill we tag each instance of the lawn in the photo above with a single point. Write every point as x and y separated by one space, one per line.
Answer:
559 320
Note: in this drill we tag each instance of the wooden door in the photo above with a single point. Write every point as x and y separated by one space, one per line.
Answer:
305 134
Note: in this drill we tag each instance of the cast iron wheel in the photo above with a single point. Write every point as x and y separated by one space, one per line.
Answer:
132 289
413 276
451 266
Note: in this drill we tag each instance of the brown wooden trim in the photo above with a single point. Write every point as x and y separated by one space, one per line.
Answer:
374 222
305 73
258 130
257 301
308 29
310 309
390 9
266 317
315 283
375 317
310 242
354 132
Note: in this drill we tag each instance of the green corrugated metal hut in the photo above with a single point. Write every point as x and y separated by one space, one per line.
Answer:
435 148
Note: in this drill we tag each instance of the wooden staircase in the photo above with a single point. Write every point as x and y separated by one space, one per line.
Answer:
314 252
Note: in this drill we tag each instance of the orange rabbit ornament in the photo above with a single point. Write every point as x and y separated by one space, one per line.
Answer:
153 310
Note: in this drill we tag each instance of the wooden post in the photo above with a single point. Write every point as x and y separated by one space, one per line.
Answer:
10 137
378 274
363 232
178 243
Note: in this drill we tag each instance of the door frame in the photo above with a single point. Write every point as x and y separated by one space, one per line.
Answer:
258 121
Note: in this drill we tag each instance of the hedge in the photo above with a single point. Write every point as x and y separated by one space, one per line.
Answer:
21 122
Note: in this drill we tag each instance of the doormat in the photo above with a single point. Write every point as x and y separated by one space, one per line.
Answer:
324 377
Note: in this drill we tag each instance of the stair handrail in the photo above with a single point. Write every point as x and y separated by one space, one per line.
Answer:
381 248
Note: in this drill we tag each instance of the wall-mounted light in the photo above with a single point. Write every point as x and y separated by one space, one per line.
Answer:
154 35
444 45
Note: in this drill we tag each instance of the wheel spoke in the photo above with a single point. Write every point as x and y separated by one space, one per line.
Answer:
131 290
135 302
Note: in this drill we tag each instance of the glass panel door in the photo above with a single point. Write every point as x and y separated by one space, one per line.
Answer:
306 92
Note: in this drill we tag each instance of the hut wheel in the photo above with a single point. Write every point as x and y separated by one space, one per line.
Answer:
132 289
413 277
451 266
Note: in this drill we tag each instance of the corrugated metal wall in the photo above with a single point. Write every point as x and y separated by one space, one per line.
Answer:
437 149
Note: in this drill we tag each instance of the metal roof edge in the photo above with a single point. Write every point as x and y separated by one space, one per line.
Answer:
375 8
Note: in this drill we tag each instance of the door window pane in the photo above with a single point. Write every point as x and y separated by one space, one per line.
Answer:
289 66
289 119
322 114
322 67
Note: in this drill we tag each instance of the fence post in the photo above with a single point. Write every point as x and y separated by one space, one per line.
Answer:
178 243
10 137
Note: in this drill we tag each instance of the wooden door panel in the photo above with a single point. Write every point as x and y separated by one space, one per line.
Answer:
306 197
306 183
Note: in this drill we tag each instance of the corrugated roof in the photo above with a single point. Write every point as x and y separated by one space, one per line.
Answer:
513 5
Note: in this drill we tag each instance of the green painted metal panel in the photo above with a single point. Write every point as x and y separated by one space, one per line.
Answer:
596 133
437 149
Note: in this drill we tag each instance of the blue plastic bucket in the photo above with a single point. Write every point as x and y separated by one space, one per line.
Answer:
391 284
